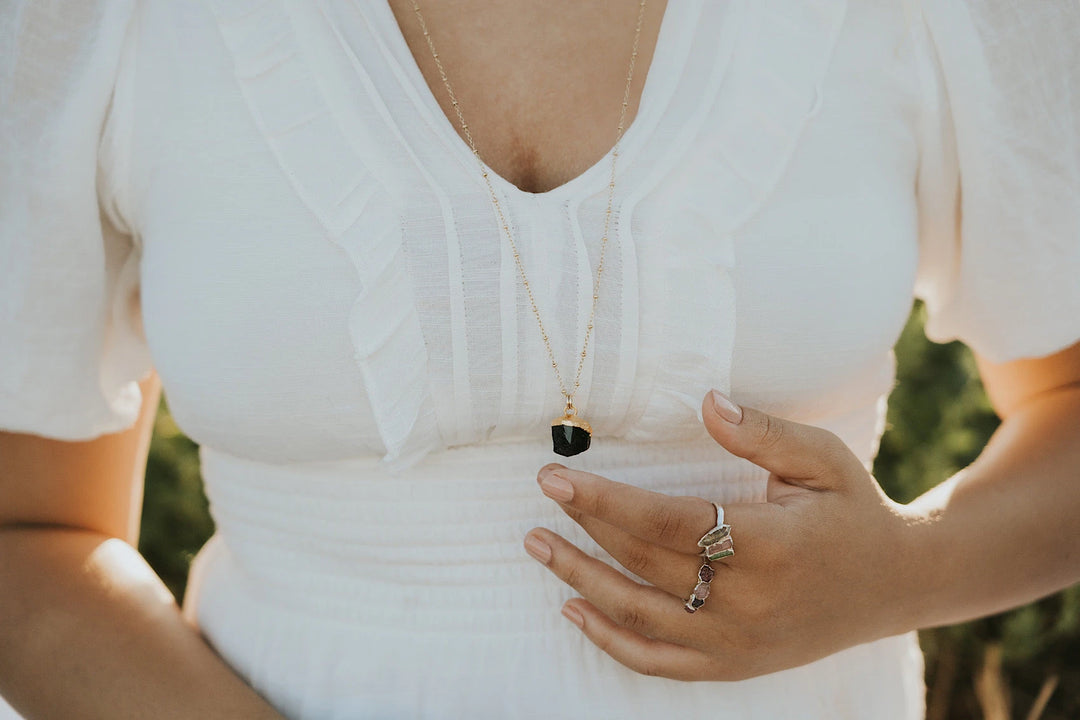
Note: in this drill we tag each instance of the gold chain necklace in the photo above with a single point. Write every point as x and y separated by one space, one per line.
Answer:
570 434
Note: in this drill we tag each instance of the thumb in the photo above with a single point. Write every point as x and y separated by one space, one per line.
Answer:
809 455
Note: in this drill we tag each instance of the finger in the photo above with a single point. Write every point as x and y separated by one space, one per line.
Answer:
641 608
791 450
674 522
641 654
672 571
676 572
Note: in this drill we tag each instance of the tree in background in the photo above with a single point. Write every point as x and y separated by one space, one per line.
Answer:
1022 665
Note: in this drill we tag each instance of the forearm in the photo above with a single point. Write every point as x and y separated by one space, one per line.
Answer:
88 630
1004 531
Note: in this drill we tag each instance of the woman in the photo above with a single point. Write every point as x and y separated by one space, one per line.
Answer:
276 206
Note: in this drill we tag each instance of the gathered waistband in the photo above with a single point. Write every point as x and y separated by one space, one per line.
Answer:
347 538
337 577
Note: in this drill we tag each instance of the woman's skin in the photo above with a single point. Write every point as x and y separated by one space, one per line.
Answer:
828 561
88 631
551 113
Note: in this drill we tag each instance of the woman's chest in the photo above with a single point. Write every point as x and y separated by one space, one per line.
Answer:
540 87
324 273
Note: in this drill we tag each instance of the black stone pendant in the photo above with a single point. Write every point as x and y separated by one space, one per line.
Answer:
570 436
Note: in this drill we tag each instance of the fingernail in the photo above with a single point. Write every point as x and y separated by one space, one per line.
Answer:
725 408
539 549
548 469
557 488
571 613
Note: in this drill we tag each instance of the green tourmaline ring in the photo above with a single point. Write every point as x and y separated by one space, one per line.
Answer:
716 544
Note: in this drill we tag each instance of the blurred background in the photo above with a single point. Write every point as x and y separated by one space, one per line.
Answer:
1019 665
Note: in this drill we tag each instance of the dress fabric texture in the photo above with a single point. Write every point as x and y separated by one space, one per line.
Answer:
262 200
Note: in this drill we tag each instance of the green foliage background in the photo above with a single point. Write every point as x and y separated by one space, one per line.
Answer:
939 420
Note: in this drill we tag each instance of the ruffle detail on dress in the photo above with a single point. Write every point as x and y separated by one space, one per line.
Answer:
765 87
773 88
356 212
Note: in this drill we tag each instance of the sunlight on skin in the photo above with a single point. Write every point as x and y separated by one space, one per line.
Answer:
120 572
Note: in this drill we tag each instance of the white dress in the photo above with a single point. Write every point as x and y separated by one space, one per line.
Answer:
263 200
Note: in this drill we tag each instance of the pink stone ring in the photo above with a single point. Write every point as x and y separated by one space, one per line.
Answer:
716 544
705 575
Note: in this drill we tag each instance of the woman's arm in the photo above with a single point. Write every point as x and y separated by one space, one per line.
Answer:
87 630
1006 529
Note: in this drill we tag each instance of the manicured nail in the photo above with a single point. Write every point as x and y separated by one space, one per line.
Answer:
539 549
557 488
725 408
571 613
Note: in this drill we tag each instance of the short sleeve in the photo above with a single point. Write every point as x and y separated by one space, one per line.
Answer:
999 176
72 347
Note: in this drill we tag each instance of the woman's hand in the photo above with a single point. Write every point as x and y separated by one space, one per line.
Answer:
821 566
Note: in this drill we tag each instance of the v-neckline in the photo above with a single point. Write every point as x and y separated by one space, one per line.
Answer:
655 92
